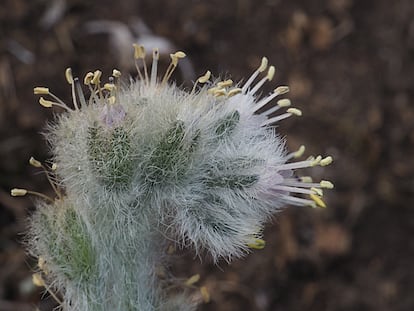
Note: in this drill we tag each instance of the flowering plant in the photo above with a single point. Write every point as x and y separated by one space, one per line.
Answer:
140 165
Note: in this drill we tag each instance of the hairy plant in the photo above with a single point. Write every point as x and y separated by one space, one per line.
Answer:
142 165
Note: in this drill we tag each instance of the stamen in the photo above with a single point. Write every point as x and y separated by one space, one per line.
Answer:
41 263
295 165
285 102
38 164
326 161
112 100
80 92
155 57
214 90
192 280
269 77
68 75
307 183
261 68
263 65
139 53
264 102
38 280
69 79
109 87
318 200
257 243
220 92
16 192
280 90
174 62
296 154
234 91
295 111
316 161
289 113
40 90
34 162
88 78
293 189
271 73
203 79
48 104
317 191
116 73
298 201
306 179
326 184
205 294
226 83
96 79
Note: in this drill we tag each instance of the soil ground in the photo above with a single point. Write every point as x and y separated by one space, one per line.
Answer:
350 66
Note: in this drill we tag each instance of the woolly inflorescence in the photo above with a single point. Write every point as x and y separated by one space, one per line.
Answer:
141 166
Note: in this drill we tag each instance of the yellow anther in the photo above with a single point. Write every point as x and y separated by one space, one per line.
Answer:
179 54
306 179
41 263
16 192
326 184
96 77
280 90
271 73
175 57
109 87
112 100
205 77
38 280
224 84
139 51
205 294
300 152
46 103
263 65
41 90
234 92
34 162
316 161
295 111
326 161
116 73
220 92
257 243
284 102
317 191
317 200
68 75
54 167
88 78
213 90
192 280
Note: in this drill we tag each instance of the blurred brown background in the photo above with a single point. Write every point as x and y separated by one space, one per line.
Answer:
350 66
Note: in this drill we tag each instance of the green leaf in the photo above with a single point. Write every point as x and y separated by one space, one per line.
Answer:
110 155
226 126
